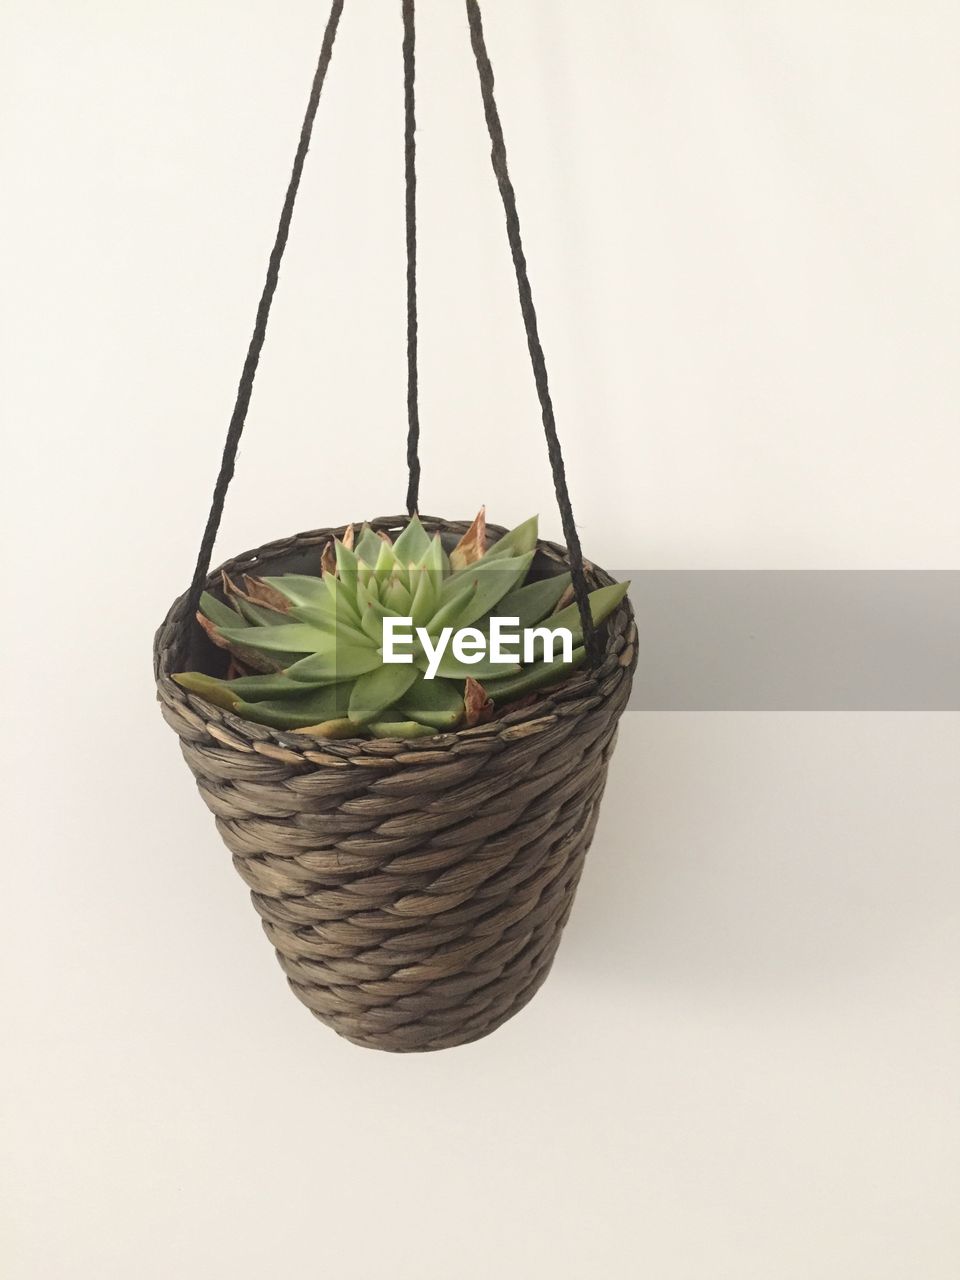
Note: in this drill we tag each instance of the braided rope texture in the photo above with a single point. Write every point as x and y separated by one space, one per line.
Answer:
415 892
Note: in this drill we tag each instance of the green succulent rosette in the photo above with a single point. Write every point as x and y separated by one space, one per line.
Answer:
306 652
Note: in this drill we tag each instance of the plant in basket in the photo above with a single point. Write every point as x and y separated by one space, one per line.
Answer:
414 885
315 652
409 805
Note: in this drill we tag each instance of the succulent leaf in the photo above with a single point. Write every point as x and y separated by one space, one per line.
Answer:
538 676
344 598
347 563
437 703
399 729
334 664
379 689
435 562
368 546
444 557
259 615
371 619
342 631
534 601
225 693
450 667
448 614
213 690
385 564
295 637
396 596
412 543
603 601
331 729
518 540
299 588
220 613
313 706
494 579
249 657
425 596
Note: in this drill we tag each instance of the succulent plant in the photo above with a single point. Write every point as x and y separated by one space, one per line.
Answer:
306 652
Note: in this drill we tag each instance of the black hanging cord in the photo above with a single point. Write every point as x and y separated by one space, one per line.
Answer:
498 156
245 386
410 175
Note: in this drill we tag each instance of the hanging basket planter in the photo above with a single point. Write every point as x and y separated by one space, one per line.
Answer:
415 891
414 887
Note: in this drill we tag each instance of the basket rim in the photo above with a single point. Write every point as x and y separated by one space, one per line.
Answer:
585 685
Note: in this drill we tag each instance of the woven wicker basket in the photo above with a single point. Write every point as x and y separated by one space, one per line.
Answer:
415 891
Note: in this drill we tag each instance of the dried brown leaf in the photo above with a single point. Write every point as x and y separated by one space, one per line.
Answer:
568 597
259 592
212 631
478 707
328 561
255 592
473 545
250 659
230 588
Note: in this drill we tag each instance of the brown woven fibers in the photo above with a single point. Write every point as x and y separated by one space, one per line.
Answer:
415 891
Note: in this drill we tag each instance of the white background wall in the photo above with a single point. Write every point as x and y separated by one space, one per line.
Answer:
741 223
